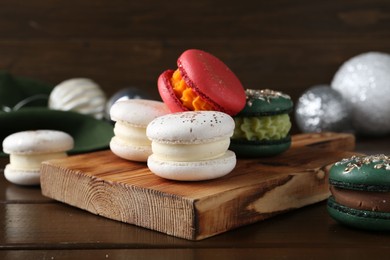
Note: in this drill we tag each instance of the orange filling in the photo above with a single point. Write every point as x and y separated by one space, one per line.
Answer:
187 96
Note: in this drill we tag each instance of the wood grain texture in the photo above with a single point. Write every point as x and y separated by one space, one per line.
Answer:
106 185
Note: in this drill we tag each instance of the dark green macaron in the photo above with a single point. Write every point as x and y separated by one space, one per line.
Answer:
360 187
262 127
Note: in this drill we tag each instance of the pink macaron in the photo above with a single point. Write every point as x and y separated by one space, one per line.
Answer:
201 82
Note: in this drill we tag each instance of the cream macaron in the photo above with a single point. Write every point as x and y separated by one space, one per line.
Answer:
191 146
28 149
131 119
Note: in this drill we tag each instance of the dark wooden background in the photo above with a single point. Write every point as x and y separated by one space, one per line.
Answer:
279 44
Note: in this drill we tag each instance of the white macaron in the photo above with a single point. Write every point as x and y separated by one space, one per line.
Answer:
28 149
132 117
191 146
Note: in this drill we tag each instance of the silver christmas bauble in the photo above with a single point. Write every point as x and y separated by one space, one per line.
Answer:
364 82
124 94
322 109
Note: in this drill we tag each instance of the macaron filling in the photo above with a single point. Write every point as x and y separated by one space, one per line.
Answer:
362 200
260 128
190 152
130 134
190 99
32 161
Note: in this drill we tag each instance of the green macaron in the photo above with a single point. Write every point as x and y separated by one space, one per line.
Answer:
360 187
262 127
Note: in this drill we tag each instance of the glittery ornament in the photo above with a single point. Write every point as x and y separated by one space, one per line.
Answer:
124 94
322 109
364 82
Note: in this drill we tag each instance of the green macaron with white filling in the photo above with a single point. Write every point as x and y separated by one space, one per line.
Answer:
262 127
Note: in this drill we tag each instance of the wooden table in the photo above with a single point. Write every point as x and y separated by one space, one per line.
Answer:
35 227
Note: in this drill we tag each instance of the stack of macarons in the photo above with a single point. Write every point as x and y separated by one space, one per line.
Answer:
262 127
28 149
360 187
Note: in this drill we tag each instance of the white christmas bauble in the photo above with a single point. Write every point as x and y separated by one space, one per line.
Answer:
80 95
364 81
321 109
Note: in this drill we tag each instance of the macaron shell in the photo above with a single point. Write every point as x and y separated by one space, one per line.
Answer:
193 171
210 78
22 177
256 149
165 89
128 152
37 141
362 219
137 112
266 107
191 127
365 177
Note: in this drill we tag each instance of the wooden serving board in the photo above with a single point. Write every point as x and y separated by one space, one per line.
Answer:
256 189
